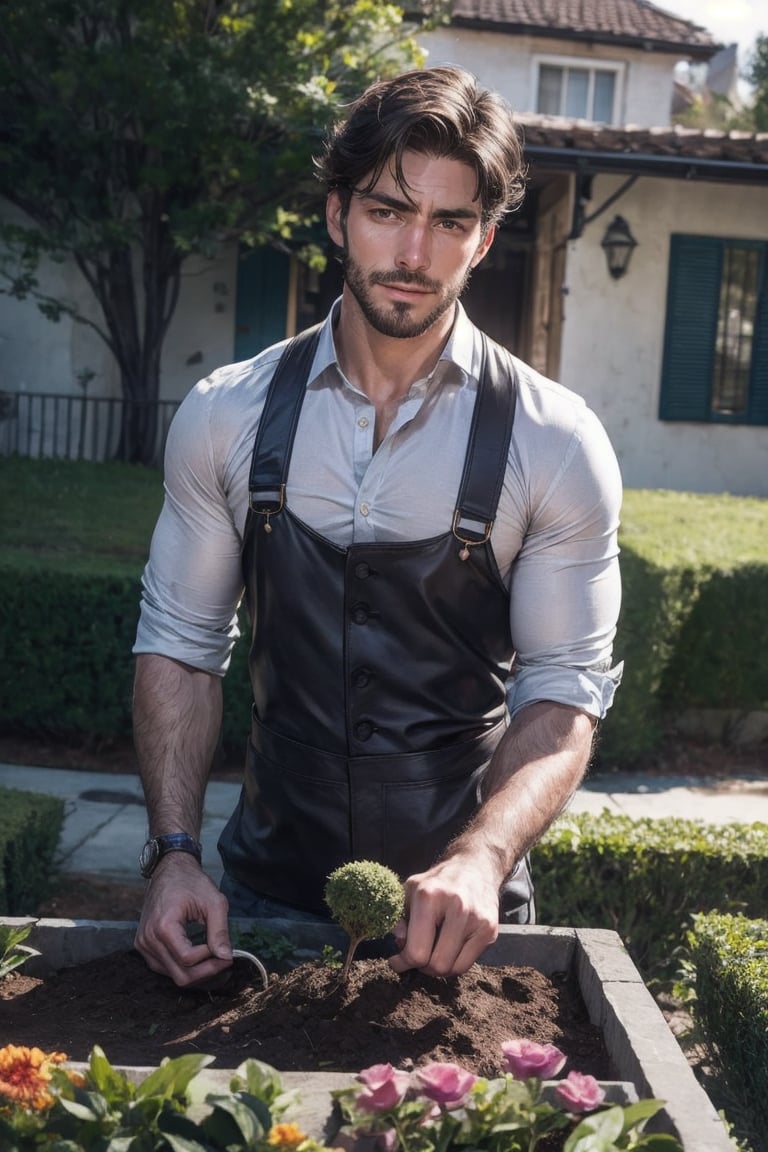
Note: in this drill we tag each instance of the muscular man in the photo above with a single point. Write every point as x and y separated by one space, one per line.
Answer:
412 514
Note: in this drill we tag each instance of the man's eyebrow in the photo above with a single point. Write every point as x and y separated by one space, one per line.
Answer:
403 205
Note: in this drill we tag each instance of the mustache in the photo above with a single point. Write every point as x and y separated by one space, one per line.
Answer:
416 279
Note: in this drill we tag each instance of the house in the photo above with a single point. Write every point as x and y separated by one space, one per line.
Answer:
669 344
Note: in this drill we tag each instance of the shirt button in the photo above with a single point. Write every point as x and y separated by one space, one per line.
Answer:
364 509
363 422
361 677
364 730
360 613
362 571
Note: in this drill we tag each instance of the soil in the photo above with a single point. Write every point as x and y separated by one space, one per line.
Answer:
305 1020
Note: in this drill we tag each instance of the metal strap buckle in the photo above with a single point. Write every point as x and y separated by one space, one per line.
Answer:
267 508
466 540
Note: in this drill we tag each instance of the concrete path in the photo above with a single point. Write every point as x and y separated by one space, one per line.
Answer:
105 820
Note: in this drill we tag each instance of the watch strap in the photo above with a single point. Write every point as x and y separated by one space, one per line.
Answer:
159 846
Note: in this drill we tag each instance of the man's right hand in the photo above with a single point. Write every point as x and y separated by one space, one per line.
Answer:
179 894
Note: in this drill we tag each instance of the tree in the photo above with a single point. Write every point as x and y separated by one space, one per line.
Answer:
756 73
134 133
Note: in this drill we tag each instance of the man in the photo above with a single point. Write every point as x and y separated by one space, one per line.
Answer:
408 510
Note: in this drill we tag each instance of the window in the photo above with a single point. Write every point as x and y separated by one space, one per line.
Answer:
568 88
715 366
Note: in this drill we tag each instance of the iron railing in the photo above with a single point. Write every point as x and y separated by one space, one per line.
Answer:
45 424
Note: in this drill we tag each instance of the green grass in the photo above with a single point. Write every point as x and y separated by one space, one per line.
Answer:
67 514
669 527
77 515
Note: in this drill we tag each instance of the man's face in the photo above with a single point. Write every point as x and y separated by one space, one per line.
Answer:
407 258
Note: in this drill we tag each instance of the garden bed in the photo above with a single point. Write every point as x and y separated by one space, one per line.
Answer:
638 1046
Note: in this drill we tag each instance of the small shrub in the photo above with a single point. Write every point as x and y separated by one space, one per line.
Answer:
366 900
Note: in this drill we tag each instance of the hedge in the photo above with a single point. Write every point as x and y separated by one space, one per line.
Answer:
30 826
729 955
646 879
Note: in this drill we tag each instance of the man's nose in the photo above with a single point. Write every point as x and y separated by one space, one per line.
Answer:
415 248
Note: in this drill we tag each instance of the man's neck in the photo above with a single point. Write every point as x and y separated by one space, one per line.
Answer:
385 367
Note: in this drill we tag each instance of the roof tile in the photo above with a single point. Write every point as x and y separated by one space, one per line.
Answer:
625 19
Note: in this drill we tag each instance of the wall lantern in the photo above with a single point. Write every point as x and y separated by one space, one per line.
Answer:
618 245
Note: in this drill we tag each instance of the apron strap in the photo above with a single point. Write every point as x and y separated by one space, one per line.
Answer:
277 427
488 450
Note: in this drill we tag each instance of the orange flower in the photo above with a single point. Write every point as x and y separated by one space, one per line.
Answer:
25 1074
285 1136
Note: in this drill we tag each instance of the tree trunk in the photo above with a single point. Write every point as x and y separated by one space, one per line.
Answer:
137 320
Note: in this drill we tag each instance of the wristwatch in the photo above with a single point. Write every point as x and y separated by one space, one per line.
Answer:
159 846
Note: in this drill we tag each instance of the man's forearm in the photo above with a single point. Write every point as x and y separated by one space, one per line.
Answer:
176 722
535 770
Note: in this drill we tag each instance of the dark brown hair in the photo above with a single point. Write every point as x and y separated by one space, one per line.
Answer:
436 111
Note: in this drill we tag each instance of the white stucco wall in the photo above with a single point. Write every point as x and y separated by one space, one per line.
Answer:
38 355
507 64
613 336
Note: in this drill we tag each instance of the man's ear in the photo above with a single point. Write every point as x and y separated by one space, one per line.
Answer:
334 213
488 238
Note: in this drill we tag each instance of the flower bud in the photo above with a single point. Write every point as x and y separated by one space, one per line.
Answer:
526 1058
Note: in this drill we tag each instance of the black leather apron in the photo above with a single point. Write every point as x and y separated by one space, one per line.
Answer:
378 670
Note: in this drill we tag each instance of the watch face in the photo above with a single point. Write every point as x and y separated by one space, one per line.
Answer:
150 854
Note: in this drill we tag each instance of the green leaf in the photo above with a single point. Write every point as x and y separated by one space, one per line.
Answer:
640 1111
170 1080
233 1122
597 1132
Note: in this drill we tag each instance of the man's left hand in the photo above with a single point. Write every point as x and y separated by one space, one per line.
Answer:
452 915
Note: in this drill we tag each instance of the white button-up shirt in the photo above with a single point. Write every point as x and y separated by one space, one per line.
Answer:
554 538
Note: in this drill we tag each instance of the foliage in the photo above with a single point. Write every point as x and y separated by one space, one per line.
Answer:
13 952
366 899
30 824
175 1109
136 134
274 948
729 955
690 564
756 73
645 879
441 1107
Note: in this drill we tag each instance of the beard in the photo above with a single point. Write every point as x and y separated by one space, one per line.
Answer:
395 319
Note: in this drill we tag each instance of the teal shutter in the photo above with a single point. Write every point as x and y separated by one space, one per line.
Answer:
693 294
758 380
262 300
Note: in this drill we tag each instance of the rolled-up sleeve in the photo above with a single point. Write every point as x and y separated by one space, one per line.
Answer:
565 589
192 582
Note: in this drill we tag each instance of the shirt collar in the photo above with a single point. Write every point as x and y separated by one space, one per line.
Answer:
462 348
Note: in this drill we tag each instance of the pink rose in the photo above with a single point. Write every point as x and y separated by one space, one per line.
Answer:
526 1058
578 1093
385 1087
445 1083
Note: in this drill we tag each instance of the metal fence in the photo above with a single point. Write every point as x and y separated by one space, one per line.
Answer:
44 424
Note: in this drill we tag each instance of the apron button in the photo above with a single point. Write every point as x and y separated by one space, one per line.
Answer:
364 730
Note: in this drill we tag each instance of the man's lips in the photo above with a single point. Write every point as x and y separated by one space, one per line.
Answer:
400 288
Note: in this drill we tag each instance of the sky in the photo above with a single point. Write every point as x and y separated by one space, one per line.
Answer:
729 21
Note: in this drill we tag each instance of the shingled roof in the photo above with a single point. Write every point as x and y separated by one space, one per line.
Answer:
629 23
559 143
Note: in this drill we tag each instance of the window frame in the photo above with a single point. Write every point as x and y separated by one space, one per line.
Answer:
694 283
617 68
